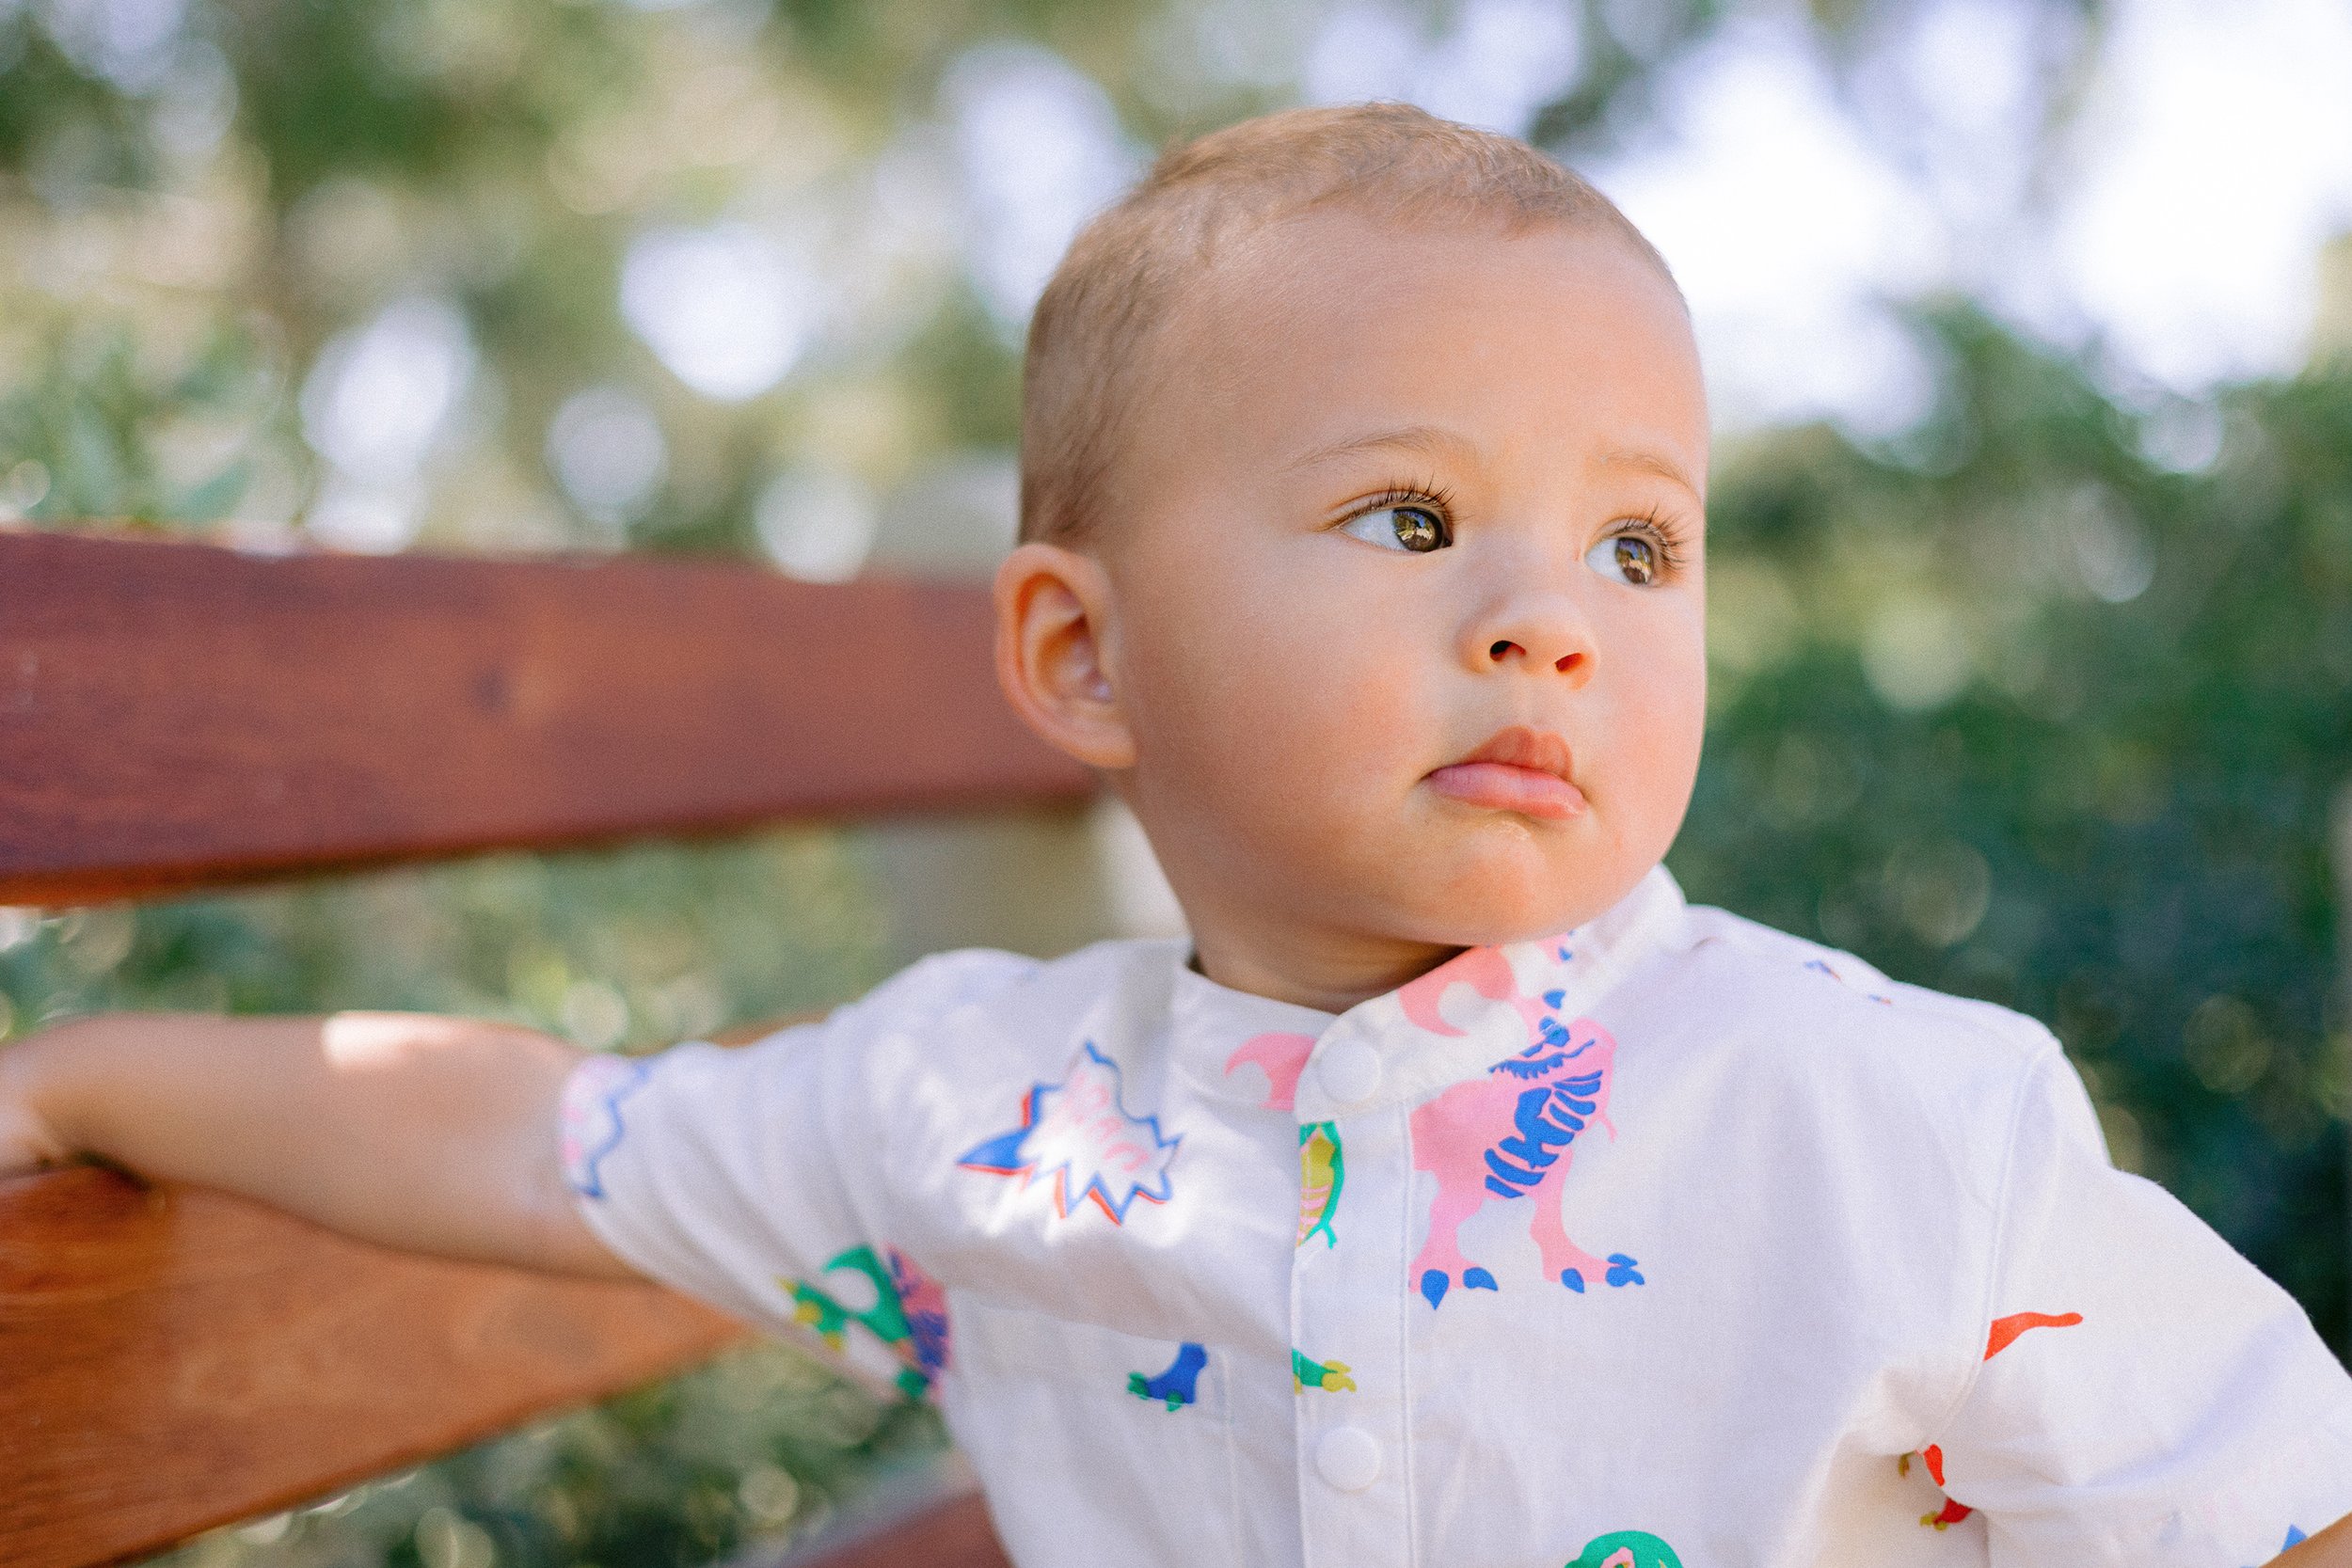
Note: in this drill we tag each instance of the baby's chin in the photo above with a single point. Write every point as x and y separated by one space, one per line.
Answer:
1495 900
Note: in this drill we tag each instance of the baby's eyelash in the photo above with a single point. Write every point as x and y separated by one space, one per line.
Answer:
1430 494
1669 540
1663 536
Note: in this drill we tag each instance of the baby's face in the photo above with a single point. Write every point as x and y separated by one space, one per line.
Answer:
1406 559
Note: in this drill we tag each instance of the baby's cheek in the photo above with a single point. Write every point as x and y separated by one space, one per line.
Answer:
1660 746
1657 745
1308 776
1311 763
1268 691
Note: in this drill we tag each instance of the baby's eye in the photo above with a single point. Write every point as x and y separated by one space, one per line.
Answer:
1627 557
1400 527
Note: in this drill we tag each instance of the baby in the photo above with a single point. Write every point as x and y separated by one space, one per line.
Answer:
1456 1195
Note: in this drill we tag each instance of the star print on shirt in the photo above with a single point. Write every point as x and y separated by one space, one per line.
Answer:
592 1128
1079 1133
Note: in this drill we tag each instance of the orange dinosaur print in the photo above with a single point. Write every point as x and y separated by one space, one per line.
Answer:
2006 1330
2005 1333
1952 1512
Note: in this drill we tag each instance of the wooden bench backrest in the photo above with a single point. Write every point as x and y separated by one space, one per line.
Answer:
175 716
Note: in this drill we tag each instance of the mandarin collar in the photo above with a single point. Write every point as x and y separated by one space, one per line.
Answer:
1451 1024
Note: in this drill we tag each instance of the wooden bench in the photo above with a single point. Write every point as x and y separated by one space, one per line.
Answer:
176 716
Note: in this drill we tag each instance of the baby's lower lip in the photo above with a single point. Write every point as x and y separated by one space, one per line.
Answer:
1502 786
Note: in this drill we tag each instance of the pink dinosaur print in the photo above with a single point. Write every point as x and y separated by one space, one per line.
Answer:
1282 1058
924 1302
1484 970
1508 1134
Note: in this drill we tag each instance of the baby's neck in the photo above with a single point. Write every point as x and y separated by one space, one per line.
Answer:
1312 970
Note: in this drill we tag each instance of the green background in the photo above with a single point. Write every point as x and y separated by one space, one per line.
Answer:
2020 702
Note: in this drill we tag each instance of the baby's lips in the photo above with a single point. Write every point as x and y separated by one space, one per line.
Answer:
1505 787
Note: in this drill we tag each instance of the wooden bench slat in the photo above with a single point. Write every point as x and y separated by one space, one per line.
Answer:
953 1532
172 1358
175 715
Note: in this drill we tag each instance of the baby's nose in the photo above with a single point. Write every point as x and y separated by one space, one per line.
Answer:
1532 635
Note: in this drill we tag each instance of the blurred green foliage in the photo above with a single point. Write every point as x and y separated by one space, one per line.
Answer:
761 1443
2021 710
2043 701
629 947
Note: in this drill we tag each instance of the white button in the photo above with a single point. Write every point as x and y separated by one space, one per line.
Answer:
1349 1458
1348 1070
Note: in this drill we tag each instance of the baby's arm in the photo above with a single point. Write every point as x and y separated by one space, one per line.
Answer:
2331 1548
433 1134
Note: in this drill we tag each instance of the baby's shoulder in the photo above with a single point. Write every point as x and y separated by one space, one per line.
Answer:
934 986
1826 1013
1771 973
983 998
1905 1099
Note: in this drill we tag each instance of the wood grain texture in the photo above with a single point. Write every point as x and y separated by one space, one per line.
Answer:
172 1358
176 715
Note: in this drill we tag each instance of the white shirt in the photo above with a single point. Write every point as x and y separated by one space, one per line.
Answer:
1674 1239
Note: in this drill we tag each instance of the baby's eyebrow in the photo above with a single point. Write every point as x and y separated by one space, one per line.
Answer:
1429 441
1651 463
1435 441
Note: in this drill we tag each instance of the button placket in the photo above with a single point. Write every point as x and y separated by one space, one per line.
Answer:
1346 1284
1348 1458
1347 1069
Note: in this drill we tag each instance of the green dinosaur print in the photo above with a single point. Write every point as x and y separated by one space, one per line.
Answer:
1322 1172
1627 1548
885 1319
1329 1376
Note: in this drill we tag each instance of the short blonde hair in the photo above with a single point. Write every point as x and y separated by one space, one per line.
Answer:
1126 271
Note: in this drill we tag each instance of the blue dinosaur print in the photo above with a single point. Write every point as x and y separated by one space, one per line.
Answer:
1819 967
1506 1134
2294 1537
1547 1120
1178 1385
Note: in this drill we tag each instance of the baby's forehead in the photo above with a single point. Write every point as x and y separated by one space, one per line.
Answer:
1296 318
1325 250
1341 287
1171 286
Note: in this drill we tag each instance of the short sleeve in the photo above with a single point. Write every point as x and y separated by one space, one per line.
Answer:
712 1169
749 1177
2145 1396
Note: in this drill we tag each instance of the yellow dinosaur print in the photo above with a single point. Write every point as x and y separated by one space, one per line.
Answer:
1322 1171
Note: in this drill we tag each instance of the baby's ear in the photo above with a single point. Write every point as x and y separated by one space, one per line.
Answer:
1053 609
